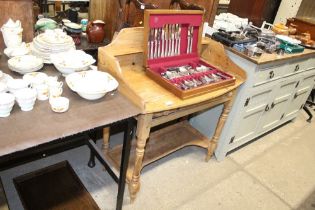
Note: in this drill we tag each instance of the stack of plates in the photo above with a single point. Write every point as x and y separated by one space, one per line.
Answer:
72 61
51 42
25 64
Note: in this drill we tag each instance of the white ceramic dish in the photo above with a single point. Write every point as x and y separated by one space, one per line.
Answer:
26 98
3 87
25 64
59 104
23 49
91 85
51 42
72 61
5 77
16 84
6 104
73 25
35 77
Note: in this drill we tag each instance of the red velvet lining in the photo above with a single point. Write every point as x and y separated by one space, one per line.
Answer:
185 20
194 62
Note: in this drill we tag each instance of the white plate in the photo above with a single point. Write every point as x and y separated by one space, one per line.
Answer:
73 25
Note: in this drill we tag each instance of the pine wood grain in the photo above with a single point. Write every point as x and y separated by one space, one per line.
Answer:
145 92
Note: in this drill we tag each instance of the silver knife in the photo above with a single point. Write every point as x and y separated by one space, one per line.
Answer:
155 42
159 42
191 38
162 40
169 40
173 40
179 33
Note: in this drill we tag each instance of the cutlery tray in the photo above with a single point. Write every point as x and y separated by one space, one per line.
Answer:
172 42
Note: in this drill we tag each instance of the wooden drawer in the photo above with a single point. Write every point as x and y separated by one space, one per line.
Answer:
268 74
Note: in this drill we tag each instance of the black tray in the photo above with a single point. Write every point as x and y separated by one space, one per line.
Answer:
224 39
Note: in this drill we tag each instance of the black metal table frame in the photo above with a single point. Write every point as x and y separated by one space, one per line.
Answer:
67 143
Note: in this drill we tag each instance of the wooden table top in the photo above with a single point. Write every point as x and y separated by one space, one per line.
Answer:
137 86
22 130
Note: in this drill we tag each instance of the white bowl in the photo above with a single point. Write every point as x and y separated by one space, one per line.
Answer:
72 61
26 98
59 104
91 85
25 64
16 84
6 104
23 49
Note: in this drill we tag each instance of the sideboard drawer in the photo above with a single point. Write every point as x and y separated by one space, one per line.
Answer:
311 63
295 67
268 74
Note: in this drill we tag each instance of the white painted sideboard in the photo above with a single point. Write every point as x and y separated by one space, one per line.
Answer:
275 90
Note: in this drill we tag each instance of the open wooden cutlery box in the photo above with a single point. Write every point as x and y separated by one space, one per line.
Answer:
172 42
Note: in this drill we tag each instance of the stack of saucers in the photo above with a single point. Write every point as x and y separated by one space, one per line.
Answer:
51 42
25 64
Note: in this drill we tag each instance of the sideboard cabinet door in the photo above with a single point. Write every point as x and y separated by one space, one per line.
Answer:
303 90
254 107
275 111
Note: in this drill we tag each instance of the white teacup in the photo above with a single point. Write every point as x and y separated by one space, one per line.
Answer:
16 84
55 92
51 79
59 104
55 84
3 87
6 104
26 98
42 91
38 79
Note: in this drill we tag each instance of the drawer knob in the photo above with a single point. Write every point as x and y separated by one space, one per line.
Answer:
295 95
271 74
272 105
297 67
267 108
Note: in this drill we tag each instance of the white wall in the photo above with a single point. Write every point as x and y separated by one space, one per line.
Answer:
287 9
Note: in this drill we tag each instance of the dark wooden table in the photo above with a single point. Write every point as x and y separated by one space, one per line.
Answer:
27 135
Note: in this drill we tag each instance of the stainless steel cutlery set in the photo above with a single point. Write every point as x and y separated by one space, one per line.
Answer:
201 75
166 41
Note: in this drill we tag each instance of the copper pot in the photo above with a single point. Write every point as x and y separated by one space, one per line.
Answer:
95 31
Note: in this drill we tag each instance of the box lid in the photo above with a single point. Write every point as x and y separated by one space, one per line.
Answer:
170 35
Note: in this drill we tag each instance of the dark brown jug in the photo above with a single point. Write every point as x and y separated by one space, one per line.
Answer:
95 31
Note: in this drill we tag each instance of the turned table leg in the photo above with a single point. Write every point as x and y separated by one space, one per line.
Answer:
142 135
106 133
214 141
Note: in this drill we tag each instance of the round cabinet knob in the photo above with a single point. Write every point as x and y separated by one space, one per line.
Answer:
295 95
267 108
271 74
297 67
